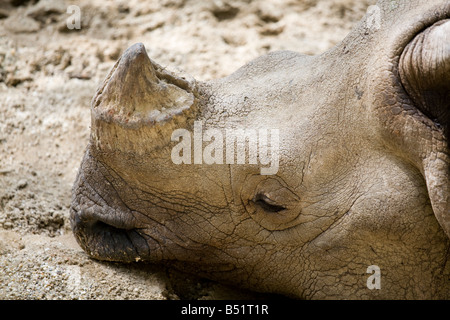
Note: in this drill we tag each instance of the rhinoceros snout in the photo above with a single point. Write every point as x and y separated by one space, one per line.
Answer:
103 226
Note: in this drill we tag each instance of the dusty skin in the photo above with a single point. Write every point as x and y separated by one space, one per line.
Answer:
48 75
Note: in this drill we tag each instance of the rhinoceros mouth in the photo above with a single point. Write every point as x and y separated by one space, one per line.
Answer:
112 241
102 224
106 240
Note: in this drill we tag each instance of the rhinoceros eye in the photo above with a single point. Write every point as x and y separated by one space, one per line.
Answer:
266 203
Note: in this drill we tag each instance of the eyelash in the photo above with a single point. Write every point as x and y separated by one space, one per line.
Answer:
261 200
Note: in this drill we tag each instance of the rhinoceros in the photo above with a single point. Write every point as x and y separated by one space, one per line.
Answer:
314 177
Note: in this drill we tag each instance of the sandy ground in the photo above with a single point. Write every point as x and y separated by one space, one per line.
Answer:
49 73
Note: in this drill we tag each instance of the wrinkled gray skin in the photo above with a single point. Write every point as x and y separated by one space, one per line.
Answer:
363 176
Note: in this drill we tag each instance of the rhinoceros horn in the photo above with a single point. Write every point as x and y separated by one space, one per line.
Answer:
136 95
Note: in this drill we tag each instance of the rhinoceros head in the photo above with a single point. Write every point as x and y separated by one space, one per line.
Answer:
292 175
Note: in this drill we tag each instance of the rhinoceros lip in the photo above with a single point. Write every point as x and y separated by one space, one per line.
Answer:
103 240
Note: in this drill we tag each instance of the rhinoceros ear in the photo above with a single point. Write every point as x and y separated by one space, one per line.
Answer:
425 72
424 69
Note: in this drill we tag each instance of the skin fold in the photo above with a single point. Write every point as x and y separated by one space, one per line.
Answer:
362 175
